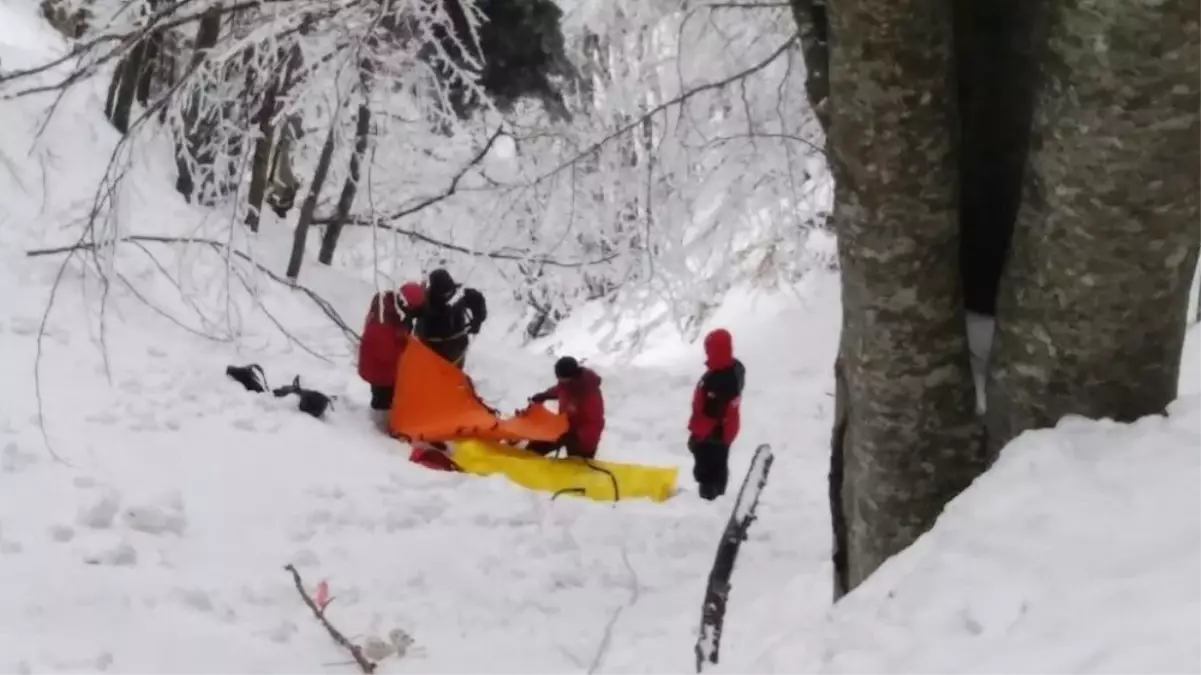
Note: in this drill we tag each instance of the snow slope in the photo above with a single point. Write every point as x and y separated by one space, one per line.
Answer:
1080 551
158 542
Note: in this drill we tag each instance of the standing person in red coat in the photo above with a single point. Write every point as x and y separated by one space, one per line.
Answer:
386 328
579 395
715 414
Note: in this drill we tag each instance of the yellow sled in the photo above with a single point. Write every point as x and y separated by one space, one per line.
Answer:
602 481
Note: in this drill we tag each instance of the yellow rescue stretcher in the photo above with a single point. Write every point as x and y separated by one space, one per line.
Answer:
594 479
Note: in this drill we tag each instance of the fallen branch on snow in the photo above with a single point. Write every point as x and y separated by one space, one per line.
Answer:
713 611
356 652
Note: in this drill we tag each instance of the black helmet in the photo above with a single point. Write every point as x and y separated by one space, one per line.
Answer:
566 368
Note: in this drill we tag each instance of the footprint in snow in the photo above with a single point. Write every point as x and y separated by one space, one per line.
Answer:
15 460
99 511
106 417
334 492
116 554
62 533
25 326
305 558
195 599
154 519
281 633
396 521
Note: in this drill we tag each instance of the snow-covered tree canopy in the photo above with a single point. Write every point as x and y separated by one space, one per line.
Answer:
639 151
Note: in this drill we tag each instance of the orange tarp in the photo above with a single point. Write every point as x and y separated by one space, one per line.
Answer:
435 401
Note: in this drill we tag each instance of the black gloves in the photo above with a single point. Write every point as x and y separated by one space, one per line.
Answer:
539 398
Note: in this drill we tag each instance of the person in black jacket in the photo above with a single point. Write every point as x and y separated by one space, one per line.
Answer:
444 325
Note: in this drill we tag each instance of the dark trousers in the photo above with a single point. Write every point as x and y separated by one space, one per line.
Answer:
381 397
710 466
568 441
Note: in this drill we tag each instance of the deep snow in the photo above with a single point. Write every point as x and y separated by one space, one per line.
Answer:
160 545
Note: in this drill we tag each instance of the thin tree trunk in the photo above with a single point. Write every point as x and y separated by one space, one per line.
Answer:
154 46
189 148
124 86
309 207
1091 316
329 242
282 182
911 440
362 134
261 165
166 69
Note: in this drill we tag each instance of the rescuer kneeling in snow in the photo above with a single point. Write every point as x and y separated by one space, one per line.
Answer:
579 395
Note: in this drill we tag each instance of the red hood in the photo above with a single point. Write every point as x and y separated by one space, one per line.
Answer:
719 349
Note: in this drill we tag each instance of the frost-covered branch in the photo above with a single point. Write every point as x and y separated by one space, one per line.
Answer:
326 308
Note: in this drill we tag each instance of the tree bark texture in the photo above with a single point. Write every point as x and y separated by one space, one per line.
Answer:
1091 316
362 136
813 30
261 162
125 85
282 182
309 207
329 240
911 440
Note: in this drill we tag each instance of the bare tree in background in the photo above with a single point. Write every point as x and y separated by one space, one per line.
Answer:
1034 161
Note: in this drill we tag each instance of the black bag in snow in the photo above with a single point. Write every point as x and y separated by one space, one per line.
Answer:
252 377
312 402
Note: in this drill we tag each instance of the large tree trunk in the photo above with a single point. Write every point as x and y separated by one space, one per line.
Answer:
1091 316
911 440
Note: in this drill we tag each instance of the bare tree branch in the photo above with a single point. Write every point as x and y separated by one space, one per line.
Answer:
674 101
324 305
356 652
431 200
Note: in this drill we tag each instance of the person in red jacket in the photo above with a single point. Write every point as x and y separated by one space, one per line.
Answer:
386 328
579 395
715 414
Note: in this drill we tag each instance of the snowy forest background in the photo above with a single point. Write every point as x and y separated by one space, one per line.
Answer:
650 153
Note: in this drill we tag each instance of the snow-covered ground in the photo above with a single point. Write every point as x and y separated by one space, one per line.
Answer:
158 541
160 544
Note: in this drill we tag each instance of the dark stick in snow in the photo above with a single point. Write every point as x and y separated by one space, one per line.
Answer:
365 665
713 612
